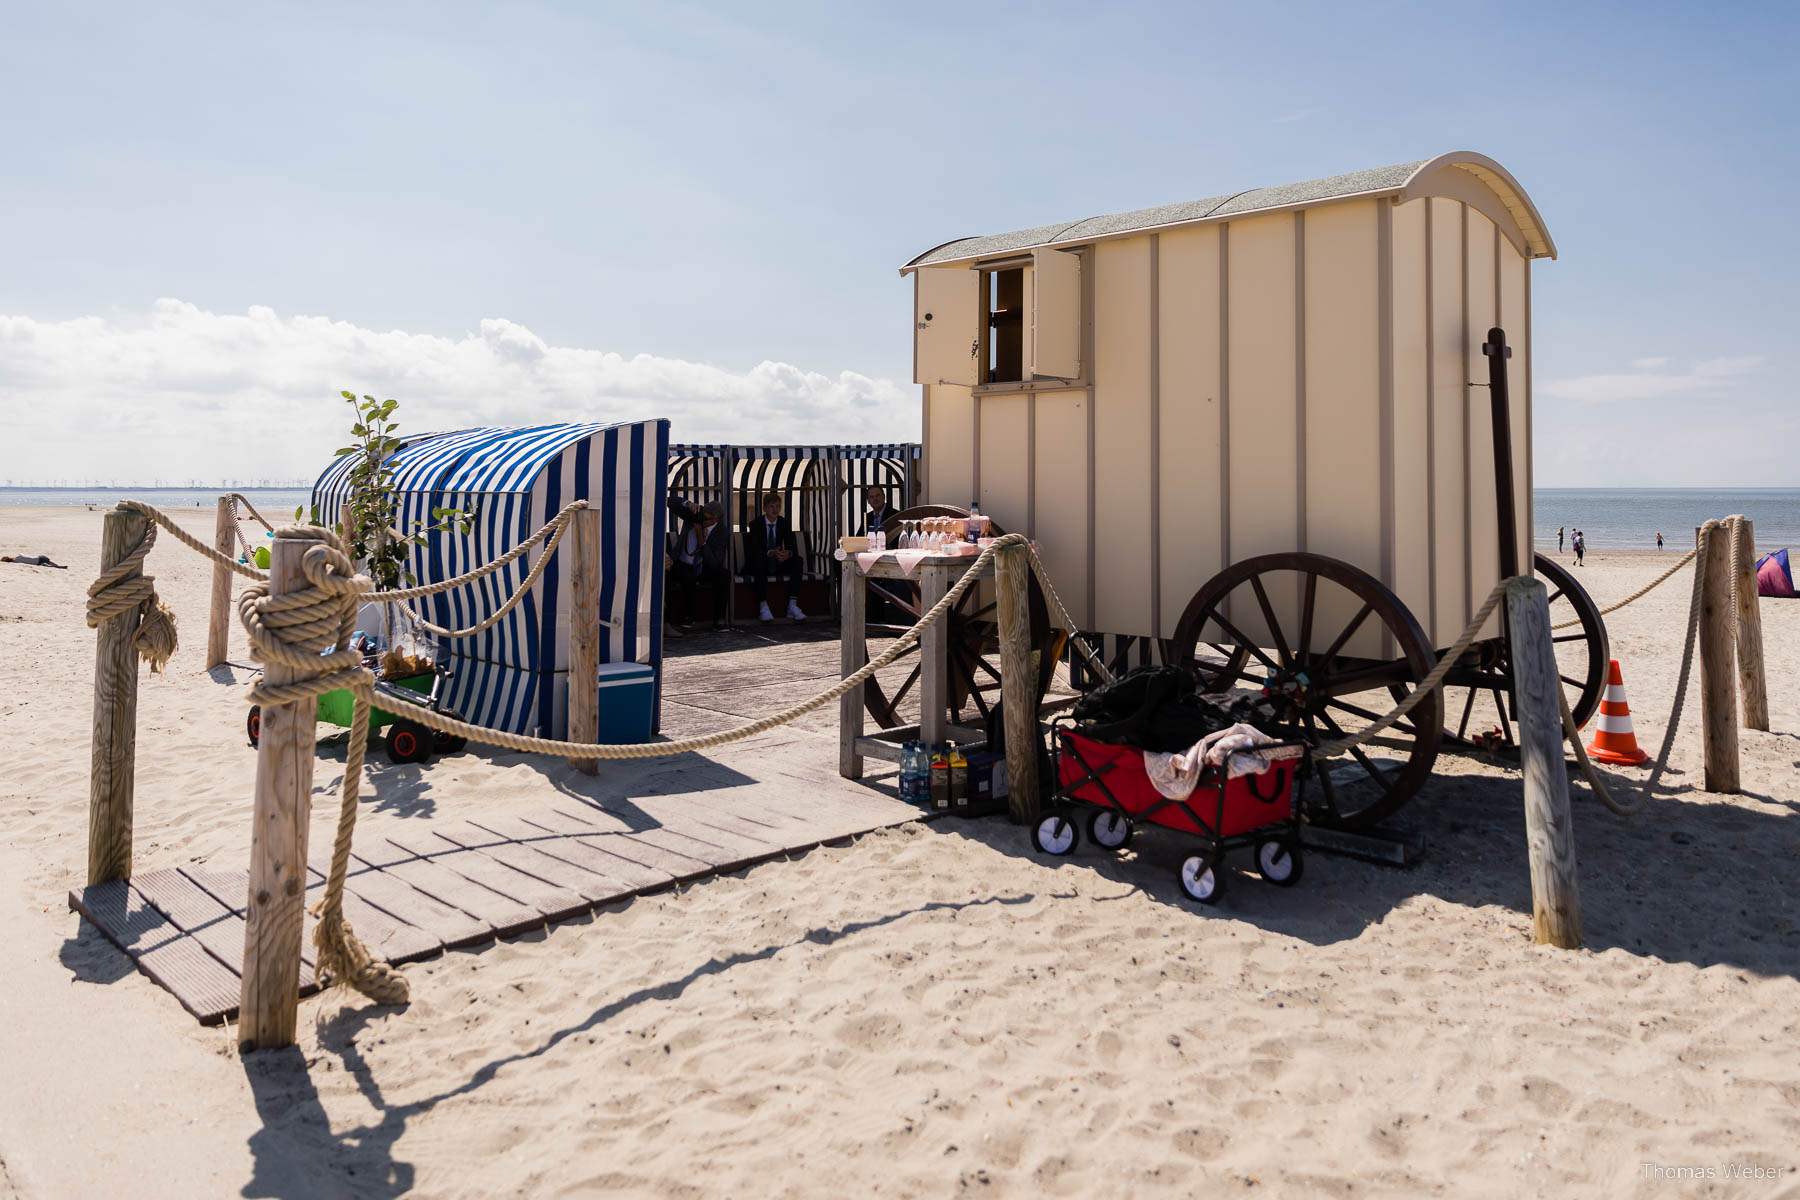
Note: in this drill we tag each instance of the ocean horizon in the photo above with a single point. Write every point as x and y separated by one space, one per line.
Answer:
1612 518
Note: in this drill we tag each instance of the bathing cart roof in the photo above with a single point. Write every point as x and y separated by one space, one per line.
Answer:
1463 175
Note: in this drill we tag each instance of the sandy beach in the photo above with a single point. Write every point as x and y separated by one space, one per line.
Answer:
931 1010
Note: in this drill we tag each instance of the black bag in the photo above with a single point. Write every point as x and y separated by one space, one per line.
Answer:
1153 708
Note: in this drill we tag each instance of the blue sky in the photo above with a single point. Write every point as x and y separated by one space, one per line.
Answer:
216 211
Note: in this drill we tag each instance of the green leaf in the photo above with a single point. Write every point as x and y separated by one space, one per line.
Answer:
346 450
348 396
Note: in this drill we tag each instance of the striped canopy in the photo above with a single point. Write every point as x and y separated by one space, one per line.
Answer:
513 676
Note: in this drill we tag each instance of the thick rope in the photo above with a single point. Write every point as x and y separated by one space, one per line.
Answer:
238 498
552 529
1426 685
1643 591
555 529
191 542
1626 808
308 630
123 589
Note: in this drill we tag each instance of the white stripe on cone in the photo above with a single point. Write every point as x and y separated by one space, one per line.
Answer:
1612 724
1614 692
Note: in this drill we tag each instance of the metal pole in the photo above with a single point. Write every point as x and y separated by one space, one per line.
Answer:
1498 352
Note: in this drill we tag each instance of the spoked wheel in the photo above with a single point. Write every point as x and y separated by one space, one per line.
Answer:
1478 710
974 638
1327 642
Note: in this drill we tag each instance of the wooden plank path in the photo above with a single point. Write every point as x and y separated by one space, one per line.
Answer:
420 887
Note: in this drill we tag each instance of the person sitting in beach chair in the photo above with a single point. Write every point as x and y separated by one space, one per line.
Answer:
699 551
772 550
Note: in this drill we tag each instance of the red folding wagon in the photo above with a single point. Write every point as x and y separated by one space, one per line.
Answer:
1224 813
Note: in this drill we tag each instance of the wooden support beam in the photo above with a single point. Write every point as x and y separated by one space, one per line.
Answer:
1718 682
853 607
1012 573
113 766
275 912
218 621
1549 831
583 540
1753 687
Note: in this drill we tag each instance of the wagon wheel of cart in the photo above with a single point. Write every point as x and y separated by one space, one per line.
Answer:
1328 641
974 636
1478 709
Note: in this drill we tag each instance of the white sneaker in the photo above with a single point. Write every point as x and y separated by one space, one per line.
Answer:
794 613
763 613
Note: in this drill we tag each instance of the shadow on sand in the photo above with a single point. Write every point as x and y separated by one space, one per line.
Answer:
298 1154
1691 879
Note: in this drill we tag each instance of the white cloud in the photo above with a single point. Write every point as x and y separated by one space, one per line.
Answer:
1654 381
179 393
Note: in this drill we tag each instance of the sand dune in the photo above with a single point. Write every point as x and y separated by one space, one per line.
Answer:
932 1010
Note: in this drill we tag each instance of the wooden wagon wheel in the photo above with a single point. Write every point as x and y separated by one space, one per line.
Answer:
974 636
1478 709
1263 623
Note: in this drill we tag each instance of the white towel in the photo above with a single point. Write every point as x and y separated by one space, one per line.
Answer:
1235 749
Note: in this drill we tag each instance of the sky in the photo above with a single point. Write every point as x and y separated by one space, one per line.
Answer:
213 217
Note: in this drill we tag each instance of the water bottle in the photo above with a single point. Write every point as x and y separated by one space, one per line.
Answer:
974 522
914 771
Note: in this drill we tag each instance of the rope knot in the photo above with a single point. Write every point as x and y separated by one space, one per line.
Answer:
307 630
124 589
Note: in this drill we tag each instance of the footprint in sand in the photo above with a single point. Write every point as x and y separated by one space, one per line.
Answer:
1203 1144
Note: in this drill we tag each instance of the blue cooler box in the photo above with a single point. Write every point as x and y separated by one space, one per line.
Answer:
627 700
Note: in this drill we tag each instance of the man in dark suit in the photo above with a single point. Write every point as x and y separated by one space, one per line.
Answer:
772 550
700 551
878 512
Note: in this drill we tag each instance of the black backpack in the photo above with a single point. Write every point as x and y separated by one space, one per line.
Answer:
1153 708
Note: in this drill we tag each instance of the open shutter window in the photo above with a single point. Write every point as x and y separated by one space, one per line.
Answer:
947 325
1056 315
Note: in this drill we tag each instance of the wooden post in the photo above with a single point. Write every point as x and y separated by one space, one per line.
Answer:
275 912
853 607
1549 832
218 623
1018 695
1718 683
934 659
113 771
1753 688
584 633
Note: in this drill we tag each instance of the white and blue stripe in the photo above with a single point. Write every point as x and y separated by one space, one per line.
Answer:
512 676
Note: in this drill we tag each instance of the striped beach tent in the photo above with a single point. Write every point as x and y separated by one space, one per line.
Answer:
894 467
514 676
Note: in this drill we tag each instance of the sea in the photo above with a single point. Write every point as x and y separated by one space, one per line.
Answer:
1612 518
1630 518
273 503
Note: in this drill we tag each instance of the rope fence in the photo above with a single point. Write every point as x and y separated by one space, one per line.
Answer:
307 631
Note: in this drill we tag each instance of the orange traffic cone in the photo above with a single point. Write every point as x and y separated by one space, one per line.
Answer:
1614 742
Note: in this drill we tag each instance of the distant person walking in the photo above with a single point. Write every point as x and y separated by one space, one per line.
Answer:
1659 539
1559 538
1580 548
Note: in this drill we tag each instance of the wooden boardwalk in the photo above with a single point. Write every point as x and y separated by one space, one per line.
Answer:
417 888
